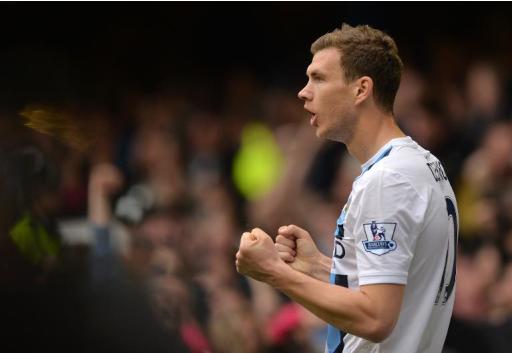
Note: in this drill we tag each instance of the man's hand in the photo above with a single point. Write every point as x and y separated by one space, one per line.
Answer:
257 256
296 247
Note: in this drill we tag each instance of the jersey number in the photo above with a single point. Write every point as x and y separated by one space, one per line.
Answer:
447 284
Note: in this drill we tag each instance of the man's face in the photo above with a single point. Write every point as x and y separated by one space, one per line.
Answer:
328 98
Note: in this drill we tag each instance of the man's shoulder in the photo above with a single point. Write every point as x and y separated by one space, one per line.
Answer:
407 163
384 179
401 171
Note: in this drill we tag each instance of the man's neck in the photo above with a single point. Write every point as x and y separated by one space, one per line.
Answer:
373 132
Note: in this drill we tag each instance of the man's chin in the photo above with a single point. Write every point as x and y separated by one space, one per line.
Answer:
320 133
328 136
323 133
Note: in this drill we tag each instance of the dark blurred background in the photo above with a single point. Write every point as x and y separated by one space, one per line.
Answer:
101 52
139 140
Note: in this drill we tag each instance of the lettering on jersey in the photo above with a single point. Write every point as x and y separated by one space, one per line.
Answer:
380 237
447 284
437 171
339 250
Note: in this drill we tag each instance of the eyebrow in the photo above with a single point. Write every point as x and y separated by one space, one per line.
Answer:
314 73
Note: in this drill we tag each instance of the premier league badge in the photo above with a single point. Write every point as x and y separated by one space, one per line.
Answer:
380 237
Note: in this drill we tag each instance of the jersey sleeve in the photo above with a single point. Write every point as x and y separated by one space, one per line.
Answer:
386 225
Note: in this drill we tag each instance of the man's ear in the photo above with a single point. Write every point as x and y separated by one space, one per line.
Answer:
363 89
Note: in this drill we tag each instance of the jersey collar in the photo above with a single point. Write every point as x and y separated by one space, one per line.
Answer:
384 152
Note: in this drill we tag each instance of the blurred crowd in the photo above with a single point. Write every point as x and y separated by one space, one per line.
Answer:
119 229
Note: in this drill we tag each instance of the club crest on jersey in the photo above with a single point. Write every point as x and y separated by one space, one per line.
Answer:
380 237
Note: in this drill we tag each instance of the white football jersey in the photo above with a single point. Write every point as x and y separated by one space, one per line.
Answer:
400 225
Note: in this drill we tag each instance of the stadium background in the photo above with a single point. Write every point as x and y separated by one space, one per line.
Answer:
159 132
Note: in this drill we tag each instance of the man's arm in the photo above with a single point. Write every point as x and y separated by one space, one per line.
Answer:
370 312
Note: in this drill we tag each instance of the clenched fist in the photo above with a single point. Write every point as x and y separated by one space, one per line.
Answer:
257 256
296 247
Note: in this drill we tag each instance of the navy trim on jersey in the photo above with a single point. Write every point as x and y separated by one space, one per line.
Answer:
383 155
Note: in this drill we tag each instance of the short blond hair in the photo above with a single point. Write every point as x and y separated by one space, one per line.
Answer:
366 51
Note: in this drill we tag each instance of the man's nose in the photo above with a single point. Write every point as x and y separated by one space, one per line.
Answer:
305 93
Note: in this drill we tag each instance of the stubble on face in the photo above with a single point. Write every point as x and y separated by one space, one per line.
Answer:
343 122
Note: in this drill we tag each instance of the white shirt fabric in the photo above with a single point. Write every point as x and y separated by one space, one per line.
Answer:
400 226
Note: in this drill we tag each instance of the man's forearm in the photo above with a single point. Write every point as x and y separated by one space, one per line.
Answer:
352 311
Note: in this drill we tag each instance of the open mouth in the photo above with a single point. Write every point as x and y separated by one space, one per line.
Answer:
313 119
